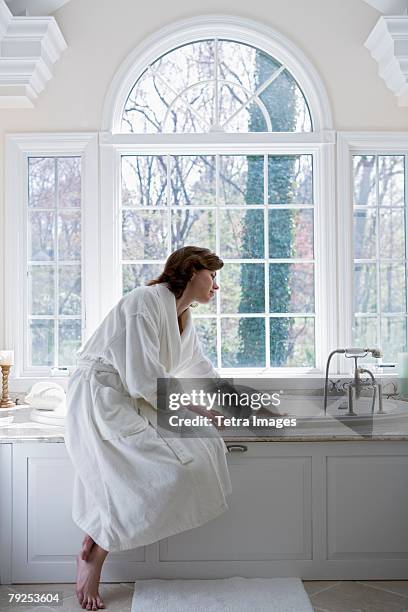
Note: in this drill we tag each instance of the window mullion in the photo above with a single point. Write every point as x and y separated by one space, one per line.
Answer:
217 249
266 242
216 92
56 269
169 206
377 251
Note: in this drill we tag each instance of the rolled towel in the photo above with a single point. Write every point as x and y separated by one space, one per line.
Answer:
47 396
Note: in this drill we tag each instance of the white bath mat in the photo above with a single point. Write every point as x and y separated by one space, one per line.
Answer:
226 595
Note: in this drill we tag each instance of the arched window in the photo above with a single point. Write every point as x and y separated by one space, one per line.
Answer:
216 126
216 85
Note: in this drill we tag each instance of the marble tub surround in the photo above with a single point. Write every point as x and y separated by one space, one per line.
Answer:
24 429
325 596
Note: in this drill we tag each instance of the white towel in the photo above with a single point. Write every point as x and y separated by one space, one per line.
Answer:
47 396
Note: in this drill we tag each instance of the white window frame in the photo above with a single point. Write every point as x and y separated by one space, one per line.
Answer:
114 146
349 144
19 148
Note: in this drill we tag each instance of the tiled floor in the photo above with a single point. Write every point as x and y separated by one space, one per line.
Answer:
359 596
326 596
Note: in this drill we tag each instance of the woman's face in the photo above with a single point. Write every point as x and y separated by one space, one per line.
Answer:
203 286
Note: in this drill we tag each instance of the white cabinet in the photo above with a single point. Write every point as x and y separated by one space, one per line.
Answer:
270 514
367 507
321 510
45 538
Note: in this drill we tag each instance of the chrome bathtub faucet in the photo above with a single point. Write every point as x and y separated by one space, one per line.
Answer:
354 388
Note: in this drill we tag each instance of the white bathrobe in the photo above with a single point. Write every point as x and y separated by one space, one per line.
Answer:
132 486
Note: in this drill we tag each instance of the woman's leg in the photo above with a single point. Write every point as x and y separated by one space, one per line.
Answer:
87 544
88 577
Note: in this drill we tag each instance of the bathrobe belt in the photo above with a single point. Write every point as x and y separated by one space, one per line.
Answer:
95 365
176 445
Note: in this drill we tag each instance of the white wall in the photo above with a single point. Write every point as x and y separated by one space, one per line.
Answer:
101 33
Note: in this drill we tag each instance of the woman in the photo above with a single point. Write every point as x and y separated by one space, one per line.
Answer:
132 486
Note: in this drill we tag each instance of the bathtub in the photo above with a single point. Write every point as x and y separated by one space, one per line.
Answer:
309 411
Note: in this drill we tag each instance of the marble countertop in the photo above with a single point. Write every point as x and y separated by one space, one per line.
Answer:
22 429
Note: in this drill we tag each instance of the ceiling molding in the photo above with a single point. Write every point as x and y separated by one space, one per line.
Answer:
389 7
5 18
29 47
388 45
34 7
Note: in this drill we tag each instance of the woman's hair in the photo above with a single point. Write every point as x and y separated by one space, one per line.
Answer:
181 264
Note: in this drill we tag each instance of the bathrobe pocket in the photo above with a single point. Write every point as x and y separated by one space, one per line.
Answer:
114 413
177 446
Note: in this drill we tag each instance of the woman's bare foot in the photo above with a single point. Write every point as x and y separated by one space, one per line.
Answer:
87 544
88 576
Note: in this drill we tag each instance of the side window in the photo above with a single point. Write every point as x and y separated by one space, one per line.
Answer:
380 289
54 289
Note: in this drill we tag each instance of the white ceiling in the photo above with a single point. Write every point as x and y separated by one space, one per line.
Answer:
34 7
46 7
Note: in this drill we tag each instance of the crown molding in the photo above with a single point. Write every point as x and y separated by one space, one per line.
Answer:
388 45
5 18
29 47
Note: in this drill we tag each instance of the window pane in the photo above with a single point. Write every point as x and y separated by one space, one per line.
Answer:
207 333
41 182
364 180
365 332
144 234
292 342
242 288
393 288
243 342
138 275
192 180
205 309
146 106
290 179
69 236
290 234
393 337
193 227
365 233
241 180
41 342
365 288
41 231
242 233
69 289
144 180
286 105
291 287
69 341
243 115
239 64
69 181
392 234
193 111
41 290
391 180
